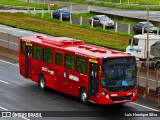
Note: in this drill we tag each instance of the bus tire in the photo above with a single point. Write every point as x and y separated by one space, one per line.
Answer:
42 82
83 96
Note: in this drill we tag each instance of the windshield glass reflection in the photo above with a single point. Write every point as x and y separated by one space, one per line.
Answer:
118 73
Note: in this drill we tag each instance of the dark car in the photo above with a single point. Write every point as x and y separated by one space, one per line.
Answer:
65 14
137 28
100 20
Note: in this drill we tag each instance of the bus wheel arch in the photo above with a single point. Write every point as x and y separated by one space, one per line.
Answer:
41 81
83 95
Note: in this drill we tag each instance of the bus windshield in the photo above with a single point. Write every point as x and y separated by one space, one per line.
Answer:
119 74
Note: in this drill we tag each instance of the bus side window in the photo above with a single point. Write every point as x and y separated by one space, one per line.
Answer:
37 53
48 55
70 61
82 65
23 48
59 58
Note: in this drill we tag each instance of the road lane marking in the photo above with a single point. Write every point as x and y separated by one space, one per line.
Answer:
9 63
145 107
3 108
4 82
149 79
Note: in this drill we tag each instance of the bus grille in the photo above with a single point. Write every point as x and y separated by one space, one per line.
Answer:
121 98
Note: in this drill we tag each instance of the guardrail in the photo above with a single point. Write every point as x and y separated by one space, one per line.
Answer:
9 41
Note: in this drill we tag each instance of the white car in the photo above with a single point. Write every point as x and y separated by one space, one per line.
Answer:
101 20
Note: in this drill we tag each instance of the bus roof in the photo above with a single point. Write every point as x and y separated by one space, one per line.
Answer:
76 46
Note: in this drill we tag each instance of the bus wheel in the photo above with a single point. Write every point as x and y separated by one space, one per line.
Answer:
83 96
42 82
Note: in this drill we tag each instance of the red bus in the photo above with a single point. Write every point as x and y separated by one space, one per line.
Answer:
92 73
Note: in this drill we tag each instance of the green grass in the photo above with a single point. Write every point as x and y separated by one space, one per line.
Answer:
54 27
25 4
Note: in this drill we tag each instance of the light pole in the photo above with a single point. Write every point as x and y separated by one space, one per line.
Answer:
147 67
28 6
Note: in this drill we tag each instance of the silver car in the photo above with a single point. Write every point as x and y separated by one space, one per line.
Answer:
101 20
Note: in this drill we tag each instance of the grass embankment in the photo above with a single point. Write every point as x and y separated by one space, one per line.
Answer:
25 4
89 35
121 6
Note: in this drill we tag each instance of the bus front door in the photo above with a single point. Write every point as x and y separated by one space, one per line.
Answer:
28 61
93 79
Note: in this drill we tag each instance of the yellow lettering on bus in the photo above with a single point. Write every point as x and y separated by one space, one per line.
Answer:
29 44
93 61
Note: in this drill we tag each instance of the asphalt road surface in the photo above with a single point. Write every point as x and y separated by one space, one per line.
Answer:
19 94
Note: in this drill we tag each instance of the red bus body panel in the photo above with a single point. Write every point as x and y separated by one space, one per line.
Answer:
59 78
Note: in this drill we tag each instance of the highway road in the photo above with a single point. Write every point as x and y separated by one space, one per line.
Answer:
19 94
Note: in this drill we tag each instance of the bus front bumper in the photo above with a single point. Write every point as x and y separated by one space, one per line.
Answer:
106 99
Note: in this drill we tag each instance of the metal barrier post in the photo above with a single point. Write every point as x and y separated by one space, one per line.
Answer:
142 30
61 16
81 20
116 27
70 19
104 25
129 28
92 23
158 32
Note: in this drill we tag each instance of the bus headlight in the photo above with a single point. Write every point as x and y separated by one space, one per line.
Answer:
135 92
104 94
